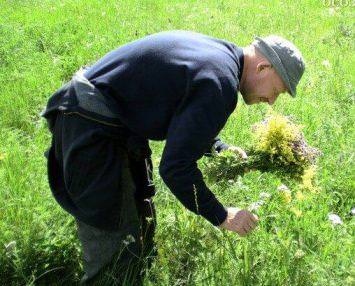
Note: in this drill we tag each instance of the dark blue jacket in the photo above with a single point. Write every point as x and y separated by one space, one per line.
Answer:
176 85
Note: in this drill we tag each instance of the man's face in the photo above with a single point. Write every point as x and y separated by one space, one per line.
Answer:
263 85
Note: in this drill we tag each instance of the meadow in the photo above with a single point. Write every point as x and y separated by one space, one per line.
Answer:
42 43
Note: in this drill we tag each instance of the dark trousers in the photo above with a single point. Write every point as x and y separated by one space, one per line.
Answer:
92 177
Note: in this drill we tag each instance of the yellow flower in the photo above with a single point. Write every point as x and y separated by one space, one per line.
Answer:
274 136
2 156
285 193
286 196
300 196
296 211
308 179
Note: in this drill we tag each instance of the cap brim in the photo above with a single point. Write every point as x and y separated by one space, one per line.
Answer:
293 92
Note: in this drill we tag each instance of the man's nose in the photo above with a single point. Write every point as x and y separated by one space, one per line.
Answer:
272 100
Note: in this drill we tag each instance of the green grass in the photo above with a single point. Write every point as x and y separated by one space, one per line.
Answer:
42 43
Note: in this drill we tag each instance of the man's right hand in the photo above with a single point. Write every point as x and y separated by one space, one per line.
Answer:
240 221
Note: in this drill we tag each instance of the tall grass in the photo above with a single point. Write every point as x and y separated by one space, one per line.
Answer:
42 43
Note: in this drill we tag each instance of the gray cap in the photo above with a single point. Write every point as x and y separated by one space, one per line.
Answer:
285 58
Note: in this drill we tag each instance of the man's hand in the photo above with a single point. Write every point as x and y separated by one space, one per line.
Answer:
239 151
240 221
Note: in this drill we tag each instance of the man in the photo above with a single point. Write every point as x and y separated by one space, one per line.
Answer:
177 86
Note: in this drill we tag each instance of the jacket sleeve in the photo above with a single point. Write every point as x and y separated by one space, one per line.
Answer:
190 133
217 145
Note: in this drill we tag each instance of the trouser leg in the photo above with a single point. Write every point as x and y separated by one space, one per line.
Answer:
88 168
128 263
114 257
109 258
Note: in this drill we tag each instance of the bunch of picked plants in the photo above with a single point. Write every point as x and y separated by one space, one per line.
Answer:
278 146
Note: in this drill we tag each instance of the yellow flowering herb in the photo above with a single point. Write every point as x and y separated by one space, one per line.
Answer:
300 196
308 178
296 211
274 136
286 196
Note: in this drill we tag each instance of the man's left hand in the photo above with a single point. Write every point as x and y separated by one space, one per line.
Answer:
239 151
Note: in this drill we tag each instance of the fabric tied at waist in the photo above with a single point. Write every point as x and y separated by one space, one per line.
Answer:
81 95
90 98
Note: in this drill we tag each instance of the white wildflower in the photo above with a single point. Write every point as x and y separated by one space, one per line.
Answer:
326 64
335 219
255 206
129 239
299 253
282 188
331 11
352 212
264 195
56 60
10 247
